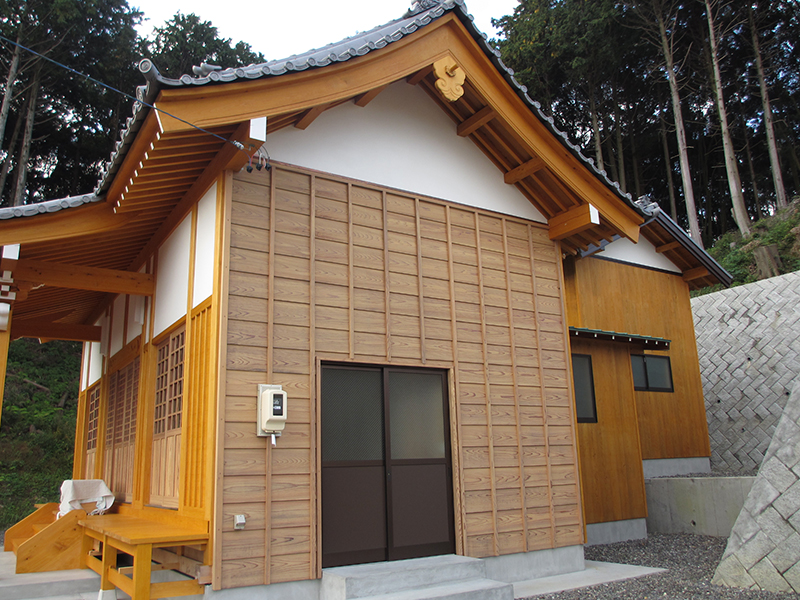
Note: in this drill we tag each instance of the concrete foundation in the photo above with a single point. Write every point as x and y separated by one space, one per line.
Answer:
615 531
533 565
702 505
671 467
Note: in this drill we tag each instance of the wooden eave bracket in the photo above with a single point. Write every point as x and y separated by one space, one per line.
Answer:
573 221
93 279
308 117
695 273
367 97
667 247
251 134
524 170
476 121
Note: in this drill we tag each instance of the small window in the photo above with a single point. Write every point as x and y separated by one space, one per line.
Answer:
651 373
585 407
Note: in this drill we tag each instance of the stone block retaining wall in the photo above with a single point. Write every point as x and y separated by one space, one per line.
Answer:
748 341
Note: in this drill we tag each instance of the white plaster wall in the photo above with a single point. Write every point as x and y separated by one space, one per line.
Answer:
204 246
643 253
172 278
95 365
403 140
87 346
135 317
117 325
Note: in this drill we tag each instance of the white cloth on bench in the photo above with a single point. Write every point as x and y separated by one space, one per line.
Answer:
76 492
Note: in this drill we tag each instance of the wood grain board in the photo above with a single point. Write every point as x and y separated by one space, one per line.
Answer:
327 269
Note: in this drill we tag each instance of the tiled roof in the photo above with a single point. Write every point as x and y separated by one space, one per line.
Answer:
422 13
51 206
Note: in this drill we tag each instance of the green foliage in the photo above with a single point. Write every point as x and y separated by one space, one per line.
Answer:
736 255
38 425
187 40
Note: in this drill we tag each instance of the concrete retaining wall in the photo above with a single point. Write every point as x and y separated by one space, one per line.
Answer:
748 341
702 505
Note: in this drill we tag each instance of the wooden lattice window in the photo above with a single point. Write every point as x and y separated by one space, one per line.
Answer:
168 416
169 384
93 417
123 400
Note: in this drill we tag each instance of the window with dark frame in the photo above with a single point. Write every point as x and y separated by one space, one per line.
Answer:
585 406
651 373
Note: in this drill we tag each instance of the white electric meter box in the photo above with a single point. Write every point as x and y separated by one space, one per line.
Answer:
271 410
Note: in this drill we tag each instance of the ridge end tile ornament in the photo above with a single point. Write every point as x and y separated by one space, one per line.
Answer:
449 78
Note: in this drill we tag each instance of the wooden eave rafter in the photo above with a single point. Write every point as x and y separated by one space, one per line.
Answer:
409 58
694 273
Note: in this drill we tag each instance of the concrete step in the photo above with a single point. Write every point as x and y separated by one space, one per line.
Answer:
470 589
375 579
52 584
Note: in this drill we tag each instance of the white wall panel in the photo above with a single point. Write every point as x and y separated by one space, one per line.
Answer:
117 325
172 277
87 348
643 253
96 364
135 317
402 140
204 246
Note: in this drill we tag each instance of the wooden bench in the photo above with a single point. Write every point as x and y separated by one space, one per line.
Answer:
139 538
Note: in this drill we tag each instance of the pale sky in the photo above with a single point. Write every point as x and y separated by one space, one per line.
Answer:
280 29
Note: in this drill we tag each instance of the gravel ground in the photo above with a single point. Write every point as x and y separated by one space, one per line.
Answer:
691 560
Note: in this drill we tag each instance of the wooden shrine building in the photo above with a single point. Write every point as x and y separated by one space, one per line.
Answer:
390 230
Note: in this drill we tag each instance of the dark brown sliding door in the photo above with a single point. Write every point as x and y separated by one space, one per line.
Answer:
386 480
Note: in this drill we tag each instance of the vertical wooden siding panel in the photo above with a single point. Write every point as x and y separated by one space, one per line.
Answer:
314 511
344 308
487 389
518 431
544 393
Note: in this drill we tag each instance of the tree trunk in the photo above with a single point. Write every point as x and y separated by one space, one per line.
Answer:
673 207
7 162
680 132
27 139
734 181
9 92
763 213
598 145
637 183
618 135
795 167
612 163
774 159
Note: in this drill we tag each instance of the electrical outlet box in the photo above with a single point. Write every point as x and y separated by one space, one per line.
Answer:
272 410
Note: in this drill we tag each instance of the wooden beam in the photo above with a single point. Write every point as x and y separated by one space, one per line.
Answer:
525 169
368 97
695 273
667 247
476 121
79 277
415 78
69 222
573 221
55 331
310 116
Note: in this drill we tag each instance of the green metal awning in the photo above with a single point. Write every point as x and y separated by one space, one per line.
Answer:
656 343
